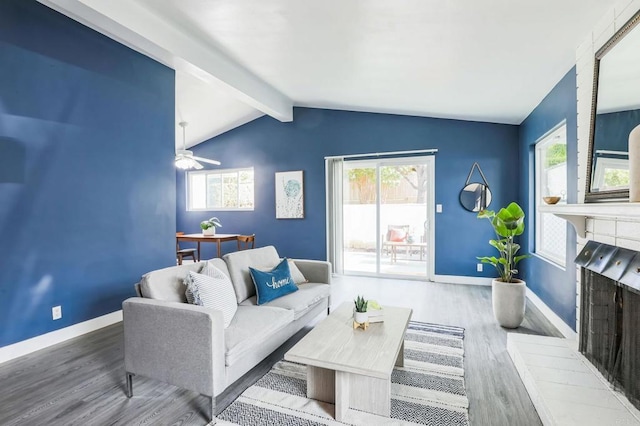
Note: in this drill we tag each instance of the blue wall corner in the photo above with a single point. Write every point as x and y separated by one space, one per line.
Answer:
87 188
270 146
554 285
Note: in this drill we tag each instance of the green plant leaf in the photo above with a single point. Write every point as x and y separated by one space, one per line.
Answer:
486 214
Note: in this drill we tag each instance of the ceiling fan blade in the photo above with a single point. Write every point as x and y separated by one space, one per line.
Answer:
197 165
206 160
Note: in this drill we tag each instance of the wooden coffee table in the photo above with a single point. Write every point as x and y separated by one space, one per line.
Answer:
352 368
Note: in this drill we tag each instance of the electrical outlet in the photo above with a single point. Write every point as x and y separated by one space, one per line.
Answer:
479 267
56 312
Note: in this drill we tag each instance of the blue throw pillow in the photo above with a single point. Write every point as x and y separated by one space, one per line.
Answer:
274 284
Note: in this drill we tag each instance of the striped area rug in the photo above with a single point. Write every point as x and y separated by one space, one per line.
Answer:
428 390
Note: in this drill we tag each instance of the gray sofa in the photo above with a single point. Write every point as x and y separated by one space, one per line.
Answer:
167 339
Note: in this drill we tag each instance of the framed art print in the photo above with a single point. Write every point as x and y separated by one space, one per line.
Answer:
289 195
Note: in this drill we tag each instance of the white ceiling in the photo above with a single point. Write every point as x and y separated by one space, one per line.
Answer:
487 60
208 108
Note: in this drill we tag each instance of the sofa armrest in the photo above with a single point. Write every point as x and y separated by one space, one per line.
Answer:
176 343
316 271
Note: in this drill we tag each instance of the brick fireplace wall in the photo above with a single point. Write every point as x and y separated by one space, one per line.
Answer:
625 230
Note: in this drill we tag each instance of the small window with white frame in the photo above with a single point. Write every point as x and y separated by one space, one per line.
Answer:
610 171
230 189
551 180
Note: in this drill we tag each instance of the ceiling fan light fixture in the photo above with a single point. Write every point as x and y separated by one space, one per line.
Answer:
185 159
185 163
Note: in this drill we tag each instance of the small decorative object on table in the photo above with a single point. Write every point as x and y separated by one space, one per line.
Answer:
551 200
374 312
360 316
209 226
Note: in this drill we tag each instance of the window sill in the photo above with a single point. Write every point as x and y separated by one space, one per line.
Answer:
549 261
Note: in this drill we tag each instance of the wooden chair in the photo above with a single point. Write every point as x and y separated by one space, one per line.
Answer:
246 241
182 253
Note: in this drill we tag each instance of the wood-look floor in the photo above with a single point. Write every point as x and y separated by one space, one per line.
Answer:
81 382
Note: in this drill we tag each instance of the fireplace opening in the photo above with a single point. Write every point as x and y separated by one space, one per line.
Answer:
610 315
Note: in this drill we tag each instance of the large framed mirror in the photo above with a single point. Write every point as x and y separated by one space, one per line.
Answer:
615 112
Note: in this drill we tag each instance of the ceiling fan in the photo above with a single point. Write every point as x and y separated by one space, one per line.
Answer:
185 159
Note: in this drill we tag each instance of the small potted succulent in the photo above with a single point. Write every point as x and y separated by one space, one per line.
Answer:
209 226
360 314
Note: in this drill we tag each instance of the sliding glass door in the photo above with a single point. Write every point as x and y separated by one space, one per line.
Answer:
385 205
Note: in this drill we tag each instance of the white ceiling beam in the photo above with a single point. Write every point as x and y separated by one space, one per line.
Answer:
136 27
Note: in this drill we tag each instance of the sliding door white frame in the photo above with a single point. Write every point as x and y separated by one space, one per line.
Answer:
334 231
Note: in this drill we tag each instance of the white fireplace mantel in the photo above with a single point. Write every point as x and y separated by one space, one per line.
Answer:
577 214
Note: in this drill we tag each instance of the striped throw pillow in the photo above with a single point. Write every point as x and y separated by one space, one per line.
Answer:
297 276
213 290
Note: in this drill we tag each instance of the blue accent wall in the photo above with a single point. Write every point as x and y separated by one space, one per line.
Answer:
87 184
554 285
612 129
271 146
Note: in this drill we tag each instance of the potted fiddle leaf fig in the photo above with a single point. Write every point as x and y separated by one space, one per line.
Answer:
508 292
209 226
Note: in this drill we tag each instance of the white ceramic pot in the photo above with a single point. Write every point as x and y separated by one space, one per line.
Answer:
209 231
360 317
509 302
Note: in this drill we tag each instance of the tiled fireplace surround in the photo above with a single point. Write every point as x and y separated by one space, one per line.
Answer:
565 388
622 227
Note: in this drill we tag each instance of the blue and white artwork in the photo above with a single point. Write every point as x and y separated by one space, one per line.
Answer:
289 195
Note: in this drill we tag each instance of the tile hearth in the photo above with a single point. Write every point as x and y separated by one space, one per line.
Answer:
564 387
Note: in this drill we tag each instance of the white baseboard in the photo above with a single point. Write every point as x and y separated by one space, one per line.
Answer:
458 279
552 316
28 346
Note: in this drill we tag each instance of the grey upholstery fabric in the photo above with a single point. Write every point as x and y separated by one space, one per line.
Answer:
258 353
316 271
167 284
176 343
187 345
299 302
251 327
220 264
238 263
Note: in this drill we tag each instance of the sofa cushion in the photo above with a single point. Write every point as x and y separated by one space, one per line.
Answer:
168 283
238 263
299 302
212 289
250 327
219 264
273 284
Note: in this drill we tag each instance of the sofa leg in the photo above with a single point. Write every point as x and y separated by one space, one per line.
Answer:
129 389
213 408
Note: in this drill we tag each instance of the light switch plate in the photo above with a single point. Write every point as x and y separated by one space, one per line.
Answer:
438 208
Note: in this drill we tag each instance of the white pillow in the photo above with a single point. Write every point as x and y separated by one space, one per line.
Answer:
213 290
297 276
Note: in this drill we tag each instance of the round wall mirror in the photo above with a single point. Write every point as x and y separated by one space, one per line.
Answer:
475 197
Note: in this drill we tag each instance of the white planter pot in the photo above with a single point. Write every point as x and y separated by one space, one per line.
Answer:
210 231
509 302
360 317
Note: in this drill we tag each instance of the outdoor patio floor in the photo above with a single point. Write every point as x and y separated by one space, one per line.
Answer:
408 265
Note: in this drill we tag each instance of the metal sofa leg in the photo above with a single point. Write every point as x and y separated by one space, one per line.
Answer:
213 408
129 389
